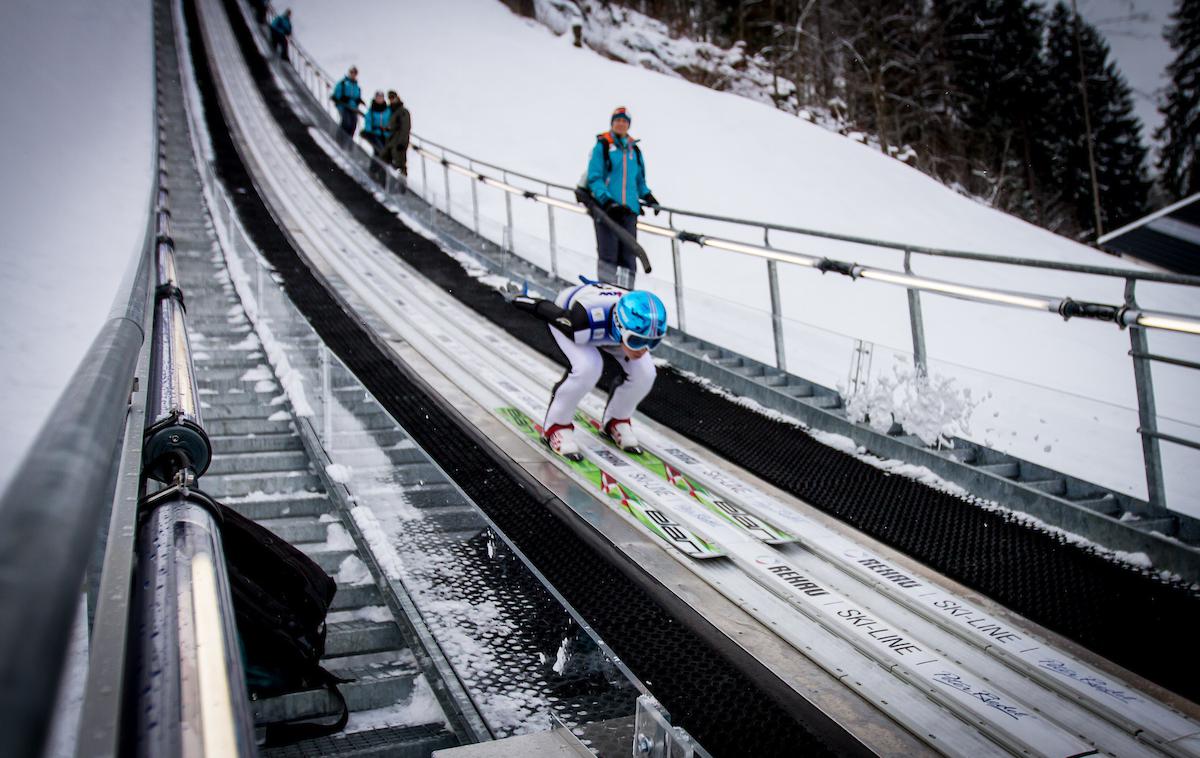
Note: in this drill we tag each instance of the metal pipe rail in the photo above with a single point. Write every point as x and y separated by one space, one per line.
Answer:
166 675
1126 314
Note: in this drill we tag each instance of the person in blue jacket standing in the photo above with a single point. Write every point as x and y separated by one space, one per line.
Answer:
281 29
375 124
347 96
616 177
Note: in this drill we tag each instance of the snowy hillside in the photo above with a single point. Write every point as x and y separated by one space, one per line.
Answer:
76 147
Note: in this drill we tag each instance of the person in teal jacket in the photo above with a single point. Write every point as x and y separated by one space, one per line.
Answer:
375 125
616 178
347 96
281 29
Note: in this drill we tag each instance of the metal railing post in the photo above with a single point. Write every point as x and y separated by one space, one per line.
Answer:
326 399
474 199
677 263
446 180
1147 412
424 178
776 316
553 237
916 321
508 235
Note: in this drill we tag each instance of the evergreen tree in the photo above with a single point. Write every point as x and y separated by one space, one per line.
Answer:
1119 154
996 86
1179 135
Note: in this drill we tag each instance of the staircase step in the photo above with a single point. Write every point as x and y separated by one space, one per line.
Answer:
797 389
1007 470
224 427
234 444
822 401
1050 486
352 596
360 636
389 741
297 529
281 505
1166 525
258 463
1101 503
375 687
226 485
328 559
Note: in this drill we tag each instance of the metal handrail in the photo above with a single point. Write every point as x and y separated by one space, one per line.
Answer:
1126 314
1079 268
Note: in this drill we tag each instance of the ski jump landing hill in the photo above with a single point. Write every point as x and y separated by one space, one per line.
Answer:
804 604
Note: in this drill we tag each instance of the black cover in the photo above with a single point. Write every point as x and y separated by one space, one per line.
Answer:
280 599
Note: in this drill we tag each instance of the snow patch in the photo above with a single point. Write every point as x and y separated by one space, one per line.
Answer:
339 472
353 571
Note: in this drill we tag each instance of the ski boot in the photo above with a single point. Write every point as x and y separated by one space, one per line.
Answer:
561 439
620 431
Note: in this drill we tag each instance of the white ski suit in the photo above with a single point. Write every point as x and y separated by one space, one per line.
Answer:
581 325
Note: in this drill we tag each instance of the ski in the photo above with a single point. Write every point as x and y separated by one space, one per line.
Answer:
734 514
619 498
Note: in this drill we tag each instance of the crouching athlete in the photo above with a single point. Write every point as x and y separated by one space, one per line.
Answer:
584 320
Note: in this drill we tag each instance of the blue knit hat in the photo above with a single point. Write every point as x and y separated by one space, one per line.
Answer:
621 112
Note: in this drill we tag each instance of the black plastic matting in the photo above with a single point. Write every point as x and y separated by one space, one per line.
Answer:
723 707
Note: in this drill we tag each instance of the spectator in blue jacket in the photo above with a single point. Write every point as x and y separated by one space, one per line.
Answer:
375 125
616 177
347 97
281 29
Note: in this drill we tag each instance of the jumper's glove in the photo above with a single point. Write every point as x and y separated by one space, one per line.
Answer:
652 201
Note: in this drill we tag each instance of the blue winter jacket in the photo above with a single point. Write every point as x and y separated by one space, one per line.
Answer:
625 183
347 94
376 121
282 24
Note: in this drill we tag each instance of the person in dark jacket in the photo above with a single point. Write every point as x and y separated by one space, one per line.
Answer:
399 127
616 178
347 96
375 123
281 29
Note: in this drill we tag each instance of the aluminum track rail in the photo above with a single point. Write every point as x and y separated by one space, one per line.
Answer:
1053 723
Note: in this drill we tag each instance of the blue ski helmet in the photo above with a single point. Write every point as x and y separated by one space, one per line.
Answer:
640 320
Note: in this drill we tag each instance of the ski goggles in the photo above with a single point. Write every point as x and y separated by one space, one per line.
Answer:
638 342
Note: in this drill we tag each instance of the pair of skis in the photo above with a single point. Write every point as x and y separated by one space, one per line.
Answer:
653 520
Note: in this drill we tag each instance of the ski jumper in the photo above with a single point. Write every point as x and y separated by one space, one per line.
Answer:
580 321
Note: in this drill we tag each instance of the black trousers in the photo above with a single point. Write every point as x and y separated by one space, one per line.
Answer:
279 42
349 121
615 254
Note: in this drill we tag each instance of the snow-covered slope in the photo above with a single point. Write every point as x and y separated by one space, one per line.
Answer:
508 90
76 151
